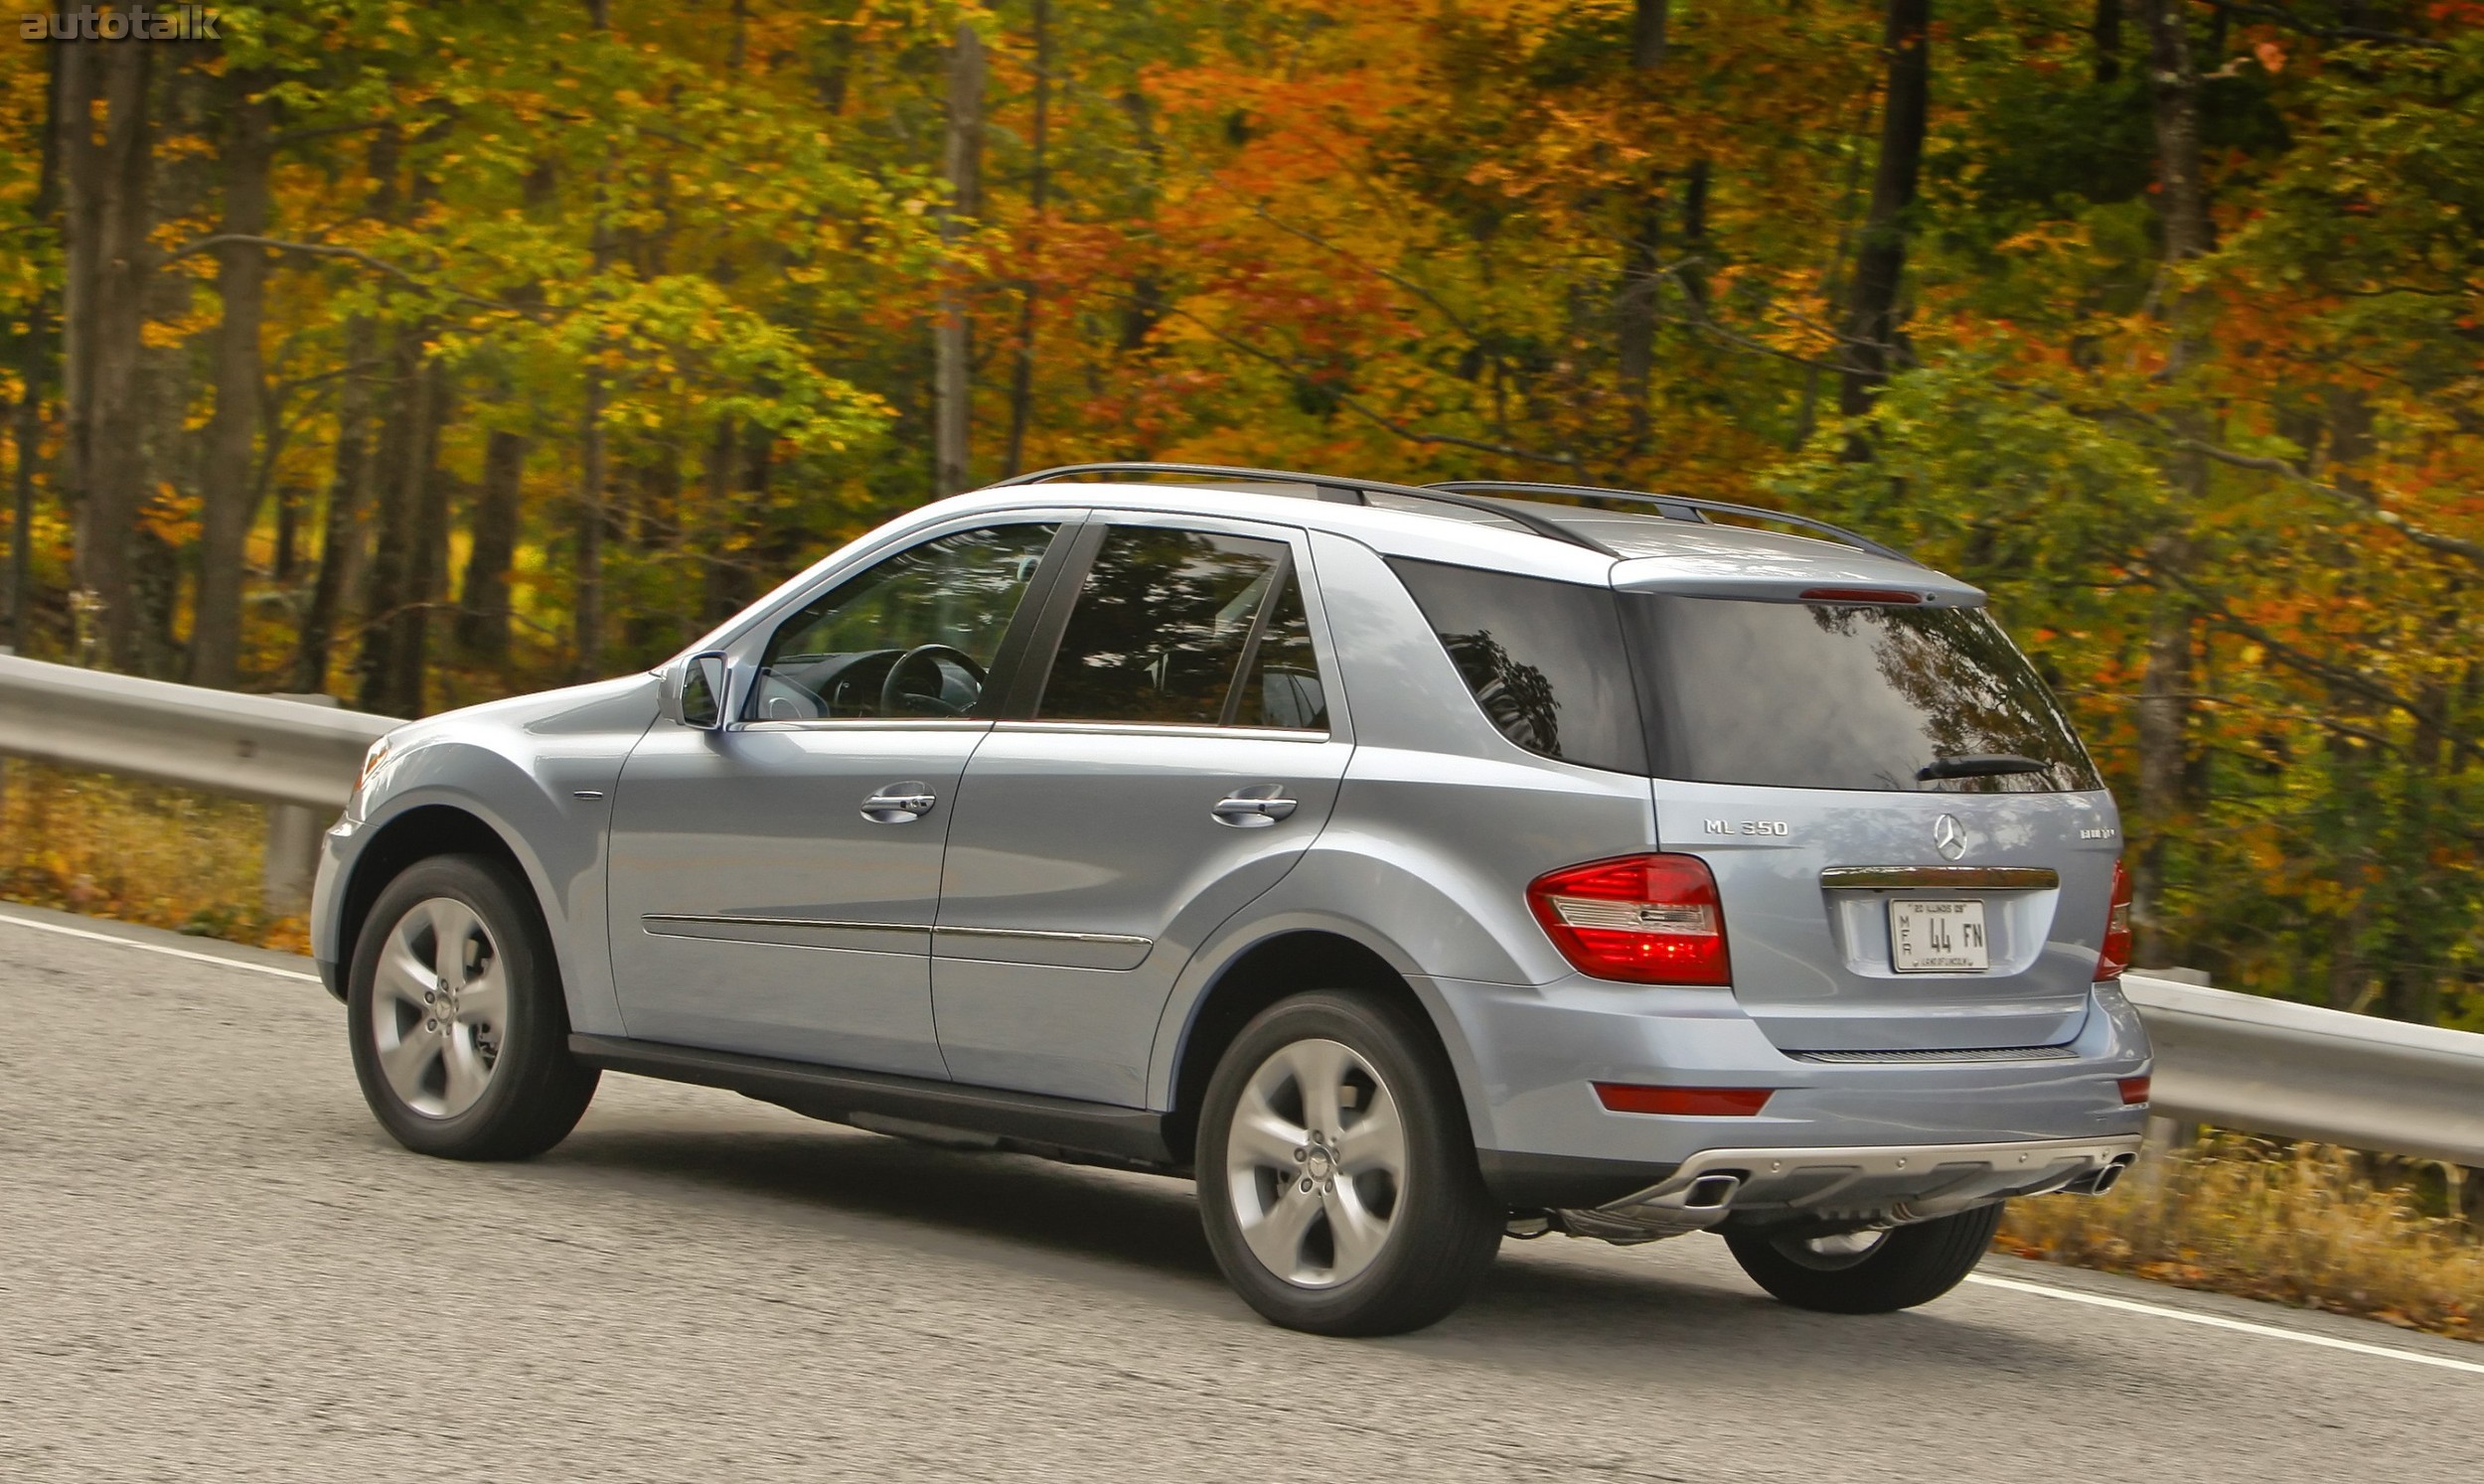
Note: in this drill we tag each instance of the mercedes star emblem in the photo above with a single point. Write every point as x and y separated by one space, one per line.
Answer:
1949 837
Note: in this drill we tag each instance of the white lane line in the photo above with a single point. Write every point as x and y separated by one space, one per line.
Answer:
157 947
2212 1321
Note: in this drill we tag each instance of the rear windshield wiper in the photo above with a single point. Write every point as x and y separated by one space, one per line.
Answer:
1979 765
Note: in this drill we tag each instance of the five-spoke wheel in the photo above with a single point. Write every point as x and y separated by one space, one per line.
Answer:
1338 1179
453 1003
440 1002
1315 1163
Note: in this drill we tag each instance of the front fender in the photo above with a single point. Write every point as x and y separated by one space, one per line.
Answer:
540 772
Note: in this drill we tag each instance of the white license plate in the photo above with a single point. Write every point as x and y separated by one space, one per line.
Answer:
1938 937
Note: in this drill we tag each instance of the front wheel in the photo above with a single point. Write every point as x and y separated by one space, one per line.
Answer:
1338 1179
461 1040
1868 1273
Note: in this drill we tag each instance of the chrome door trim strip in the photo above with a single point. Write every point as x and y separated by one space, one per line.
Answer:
1963 878
865 725
1162 729
732 920
1038 935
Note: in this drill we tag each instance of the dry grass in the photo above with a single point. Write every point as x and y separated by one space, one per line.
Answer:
2299 1224
114 847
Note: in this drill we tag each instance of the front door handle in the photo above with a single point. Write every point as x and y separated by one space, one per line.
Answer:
1252 808
899 804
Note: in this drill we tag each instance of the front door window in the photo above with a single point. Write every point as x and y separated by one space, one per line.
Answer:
913 636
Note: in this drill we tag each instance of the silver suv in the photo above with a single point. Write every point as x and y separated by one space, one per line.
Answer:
1410 867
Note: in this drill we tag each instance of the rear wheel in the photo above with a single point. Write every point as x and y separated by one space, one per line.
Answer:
1869 1272
461 1040
1336 1176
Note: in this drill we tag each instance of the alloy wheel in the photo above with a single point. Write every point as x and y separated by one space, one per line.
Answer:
439 1007
1316 1163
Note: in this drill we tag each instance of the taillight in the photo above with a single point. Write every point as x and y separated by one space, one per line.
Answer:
2117 954
1693 1103
1645 919
2135 1089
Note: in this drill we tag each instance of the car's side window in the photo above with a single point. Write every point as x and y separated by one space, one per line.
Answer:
1544 659
1282 687
1186 627
914 634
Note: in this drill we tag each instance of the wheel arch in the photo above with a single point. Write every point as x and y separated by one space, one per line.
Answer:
1276 961
415 834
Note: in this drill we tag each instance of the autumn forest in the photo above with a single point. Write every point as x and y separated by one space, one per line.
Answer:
417 354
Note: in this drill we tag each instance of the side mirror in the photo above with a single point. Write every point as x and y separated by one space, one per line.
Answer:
694 692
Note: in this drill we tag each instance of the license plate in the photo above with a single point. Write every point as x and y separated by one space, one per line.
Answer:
1938 937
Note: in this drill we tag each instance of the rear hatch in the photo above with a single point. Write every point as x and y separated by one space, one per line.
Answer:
1911 850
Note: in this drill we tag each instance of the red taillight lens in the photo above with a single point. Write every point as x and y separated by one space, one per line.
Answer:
2134 1090
1701 1102
1645 918
2117 954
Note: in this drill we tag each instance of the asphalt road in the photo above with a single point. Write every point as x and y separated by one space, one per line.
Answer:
213 1264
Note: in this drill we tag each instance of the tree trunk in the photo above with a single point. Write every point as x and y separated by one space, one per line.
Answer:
2105 37
227 490
392 553
483 601
109 188
2164 707
953 346
1643 252
33 369
1634 313
1038 188
341 527
79 74
426 513
1648 28
1880 261
587 631
588 603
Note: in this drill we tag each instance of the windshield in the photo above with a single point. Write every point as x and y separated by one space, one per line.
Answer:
1819 696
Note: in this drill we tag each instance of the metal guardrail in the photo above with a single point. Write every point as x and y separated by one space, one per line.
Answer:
2236 1061
2271 1066
297 756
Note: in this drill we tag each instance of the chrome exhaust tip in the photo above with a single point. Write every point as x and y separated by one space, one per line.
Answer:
1711 1192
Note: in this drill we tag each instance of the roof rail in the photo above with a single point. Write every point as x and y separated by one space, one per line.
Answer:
1674 506
1331 488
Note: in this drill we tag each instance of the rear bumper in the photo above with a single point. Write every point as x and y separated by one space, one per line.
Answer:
1528 1057
1834 1187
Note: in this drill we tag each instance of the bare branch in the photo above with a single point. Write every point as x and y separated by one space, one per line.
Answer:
2279 15
350 255
1358 406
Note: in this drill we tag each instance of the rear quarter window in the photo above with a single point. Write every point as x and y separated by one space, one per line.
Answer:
1545 659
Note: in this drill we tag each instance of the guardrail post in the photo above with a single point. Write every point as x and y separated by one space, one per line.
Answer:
291 856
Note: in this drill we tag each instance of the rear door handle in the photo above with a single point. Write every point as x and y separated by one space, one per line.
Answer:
899 804
1252 808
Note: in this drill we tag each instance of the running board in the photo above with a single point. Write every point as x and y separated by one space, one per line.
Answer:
1030 1123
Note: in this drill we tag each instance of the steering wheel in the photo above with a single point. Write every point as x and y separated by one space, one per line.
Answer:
890 694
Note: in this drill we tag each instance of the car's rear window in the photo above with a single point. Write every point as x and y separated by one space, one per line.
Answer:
1808 695
1819 695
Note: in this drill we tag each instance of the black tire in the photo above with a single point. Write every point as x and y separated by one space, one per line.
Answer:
1910 1265
535 1091
1443 1226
